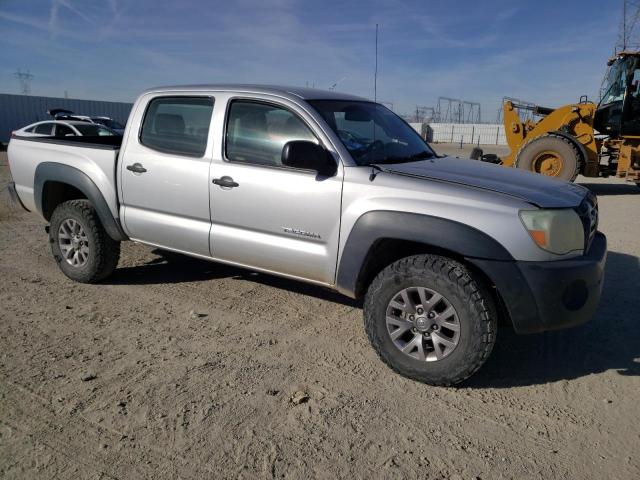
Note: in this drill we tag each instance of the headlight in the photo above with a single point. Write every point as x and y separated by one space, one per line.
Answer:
557 231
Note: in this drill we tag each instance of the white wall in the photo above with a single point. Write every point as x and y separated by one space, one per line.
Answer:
483 133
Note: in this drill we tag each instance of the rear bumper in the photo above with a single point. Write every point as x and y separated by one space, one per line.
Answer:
13 194
543 296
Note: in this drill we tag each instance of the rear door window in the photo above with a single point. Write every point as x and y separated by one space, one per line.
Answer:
63 131
177 125
43 128
93 130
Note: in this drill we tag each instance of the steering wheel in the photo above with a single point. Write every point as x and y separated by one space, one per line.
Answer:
346 136
372 147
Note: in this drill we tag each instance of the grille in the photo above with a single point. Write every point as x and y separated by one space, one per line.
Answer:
588 212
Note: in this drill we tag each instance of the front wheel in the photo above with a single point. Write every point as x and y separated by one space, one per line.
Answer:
430 320
79 243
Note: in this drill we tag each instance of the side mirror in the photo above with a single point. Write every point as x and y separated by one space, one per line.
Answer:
308 156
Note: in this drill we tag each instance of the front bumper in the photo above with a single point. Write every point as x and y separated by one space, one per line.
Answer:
541 296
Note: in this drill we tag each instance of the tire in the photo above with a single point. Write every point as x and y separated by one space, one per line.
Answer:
474 313
86 254
550 155
476 153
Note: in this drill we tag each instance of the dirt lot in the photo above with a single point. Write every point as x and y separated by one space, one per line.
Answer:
195 365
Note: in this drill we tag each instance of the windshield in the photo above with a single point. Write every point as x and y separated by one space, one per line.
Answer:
616 82
372 133
93 130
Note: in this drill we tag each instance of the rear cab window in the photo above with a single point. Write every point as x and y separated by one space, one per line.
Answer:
177 124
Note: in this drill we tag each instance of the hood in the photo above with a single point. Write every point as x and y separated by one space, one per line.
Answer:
544 192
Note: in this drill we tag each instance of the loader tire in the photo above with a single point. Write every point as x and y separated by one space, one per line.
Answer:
550 155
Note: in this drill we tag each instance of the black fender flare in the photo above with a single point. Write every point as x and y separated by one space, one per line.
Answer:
441 233
58 172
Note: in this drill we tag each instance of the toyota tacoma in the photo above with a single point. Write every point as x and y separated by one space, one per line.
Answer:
334 190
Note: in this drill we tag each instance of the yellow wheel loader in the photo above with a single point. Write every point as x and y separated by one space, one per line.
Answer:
593 140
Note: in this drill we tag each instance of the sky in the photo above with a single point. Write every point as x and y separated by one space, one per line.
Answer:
547 52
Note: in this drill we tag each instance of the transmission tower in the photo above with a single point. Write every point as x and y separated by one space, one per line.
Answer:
523 108
628 38
424 114
24 78
454 110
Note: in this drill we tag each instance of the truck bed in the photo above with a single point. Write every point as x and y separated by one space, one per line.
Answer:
94 156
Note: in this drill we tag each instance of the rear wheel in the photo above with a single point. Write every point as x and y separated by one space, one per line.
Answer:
430 320
550 155
79 243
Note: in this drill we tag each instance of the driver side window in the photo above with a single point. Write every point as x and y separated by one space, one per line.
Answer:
257 132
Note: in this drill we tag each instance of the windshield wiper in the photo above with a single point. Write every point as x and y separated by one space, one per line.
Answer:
410 158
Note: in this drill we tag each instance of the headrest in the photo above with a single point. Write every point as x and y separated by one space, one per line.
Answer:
253 121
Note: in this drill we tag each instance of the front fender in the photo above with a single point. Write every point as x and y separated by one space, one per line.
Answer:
437 232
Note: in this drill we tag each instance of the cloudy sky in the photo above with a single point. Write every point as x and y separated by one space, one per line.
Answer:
549 52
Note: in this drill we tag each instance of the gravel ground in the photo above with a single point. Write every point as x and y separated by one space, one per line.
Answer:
180 368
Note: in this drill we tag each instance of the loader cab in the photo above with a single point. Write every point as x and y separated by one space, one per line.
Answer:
618 113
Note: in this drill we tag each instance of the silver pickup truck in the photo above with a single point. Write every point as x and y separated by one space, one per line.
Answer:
330 189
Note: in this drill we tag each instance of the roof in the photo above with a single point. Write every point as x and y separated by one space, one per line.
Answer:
626 53
280 90
68 122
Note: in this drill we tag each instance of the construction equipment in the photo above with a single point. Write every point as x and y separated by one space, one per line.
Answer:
593 140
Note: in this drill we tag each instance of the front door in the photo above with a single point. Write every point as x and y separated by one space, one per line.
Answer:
265 215
164 175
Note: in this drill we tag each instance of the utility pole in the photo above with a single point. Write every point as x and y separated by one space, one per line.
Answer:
24 78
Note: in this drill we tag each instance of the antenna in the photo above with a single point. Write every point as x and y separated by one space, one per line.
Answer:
624 25
375 73
25 81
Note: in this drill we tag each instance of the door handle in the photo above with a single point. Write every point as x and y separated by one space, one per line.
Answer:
136 168
225 182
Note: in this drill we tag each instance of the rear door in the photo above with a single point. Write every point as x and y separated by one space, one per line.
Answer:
164 173
275 218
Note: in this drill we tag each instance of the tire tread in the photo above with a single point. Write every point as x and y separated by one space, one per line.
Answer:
106 250
579 160
468 287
